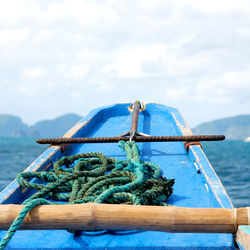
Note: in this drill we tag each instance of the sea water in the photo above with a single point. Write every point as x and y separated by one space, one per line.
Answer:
230 159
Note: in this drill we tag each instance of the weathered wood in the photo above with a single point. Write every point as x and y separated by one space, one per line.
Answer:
108 216
243 237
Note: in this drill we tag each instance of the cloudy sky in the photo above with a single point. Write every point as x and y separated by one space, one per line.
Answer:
72 56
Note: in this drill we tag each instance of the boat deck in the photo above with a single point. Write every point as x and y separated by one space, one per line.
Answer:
196 184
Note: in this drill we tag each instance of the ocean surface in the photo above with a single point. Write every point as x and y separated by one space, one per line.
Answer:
230 159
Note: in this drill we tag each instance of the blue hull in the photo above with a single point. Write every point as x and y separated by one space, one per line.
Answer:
196 183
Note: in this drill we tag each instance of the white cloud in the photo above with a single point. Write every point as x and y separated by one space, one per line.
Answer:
13 11
13 36
177 94
84 12
33 73
128 62
213 6
78 71
36 88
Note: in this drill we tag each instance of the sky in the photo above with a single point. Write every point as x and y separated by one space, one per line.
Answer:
71 56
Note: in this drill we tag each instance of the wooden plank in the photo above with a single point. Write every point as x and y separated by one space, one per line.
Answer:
93 216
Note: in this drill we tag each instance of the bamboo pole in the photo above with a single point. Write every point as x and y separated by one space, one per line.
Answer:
93 216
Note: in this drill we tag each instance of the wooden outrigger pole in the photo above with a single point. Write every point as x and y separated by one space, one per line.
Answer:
95 216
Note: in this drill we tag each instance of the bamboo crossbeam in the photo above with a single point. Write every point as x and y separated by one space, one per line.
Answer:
93 216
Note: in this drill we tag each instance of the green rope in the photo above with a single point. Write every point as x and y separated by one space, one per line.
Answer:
92 177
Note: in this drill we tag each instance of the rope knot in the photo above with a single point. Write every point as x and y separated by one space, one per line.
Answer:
131 149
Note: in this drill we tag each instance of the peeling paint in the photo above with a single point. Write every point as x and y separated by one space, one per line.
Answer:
36 164
12 190
214 182
143 107
207 187
76 128
196 166
47 166
184 128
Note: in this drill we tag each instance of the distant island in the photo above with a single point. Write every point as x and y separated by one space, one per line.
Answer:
234 128
12 126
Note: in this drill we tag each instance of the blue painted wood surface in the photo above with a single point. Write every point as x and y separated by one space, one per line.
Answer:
246 230
196 183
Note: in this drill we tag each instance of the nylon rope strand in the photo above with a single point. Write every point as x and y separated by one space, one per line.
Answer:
92 177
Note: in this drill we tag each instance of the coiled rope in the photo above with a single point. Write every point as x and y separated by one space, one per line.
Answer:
92 177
